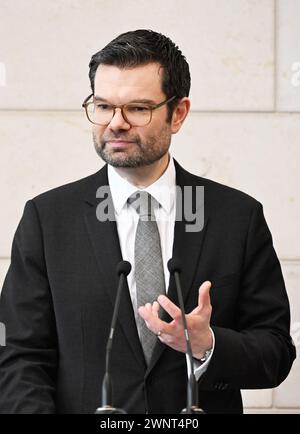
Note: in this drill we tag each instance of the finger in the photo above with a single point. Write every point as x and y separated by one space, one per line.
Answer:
144 313
153 323
155 308
204 297
148 306
169 307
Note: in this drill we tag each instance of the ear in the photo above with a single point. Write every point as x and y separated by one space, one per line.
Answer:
179 114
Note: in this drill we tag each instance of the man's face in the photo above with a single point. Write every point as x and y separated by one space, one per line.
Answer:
120 144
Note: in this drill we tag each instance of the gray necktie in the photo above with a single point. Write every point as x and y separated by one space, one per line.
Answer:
149 272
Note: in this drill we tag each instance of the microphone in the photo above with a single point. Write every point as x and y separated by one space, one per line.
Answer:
192 389
123 269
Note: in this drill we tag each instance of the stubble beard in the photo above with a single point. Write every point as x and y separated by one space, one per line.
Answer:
142 154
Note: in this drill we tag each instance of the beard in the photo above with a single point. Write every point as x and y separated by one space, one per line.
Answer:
138 154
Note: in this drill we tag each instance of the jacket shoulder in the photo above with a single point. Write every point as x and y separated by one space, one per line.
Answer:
221 194
228 194
69 192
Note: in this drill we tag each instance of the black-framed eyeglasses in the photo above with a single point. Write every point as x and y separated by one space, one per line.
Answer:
137 114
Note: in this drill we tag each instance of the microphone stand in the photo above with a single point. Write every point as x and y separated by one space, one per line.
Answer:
107 407
192 389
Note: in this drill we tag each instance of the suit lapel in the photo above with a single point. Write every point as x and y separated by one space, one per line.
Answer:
106 246
187 245
187 248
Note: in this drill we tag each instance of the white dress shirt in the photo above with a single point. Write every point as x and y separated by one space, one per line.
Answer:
164 191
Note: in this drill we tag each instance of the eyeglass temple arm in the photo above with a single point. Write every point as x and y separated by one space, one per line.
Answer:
86 99
164 102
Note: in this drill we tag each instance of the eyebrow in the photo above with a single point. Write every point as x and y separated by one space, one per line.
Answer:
141 100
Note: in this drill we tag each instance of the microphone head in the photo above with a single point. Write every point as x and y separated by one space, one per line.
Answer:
123 267
174 265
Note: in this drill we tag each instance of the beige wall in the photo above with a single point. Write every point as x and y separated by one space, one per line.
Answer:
243 131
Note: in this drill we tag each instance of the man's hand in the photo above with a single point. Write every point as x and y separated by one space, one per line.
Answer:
172 334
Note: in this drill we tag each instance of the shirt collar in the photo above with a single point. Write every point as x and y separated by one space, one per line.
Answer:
163 189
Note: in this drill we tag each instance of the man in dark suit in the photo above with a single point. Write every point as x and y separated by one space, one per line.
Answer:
60 289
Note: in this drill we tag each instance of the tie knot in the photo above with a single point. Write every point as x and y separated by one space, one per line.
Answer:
143 203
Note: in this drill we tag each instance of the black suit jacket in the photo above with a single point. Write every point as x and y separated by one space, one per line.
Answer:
59 293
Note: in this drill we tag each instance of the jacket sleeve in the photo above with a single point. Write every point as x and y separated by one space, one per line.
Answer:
258 353
28 362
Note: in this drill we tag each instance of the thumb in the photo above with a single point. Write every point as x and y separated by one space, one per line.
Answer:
204 297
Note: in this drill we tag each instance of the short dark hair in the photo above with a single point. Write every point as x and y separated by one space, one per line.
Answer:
140 47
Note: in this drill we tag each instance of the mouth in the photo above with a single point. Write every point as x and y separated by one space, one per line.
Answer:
119 143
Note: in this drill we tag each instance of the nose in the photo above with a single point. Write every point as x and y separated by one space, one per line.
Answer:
118 122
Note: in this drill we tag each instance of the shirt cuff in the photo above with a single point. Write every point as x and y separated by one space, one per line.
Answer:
200 368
